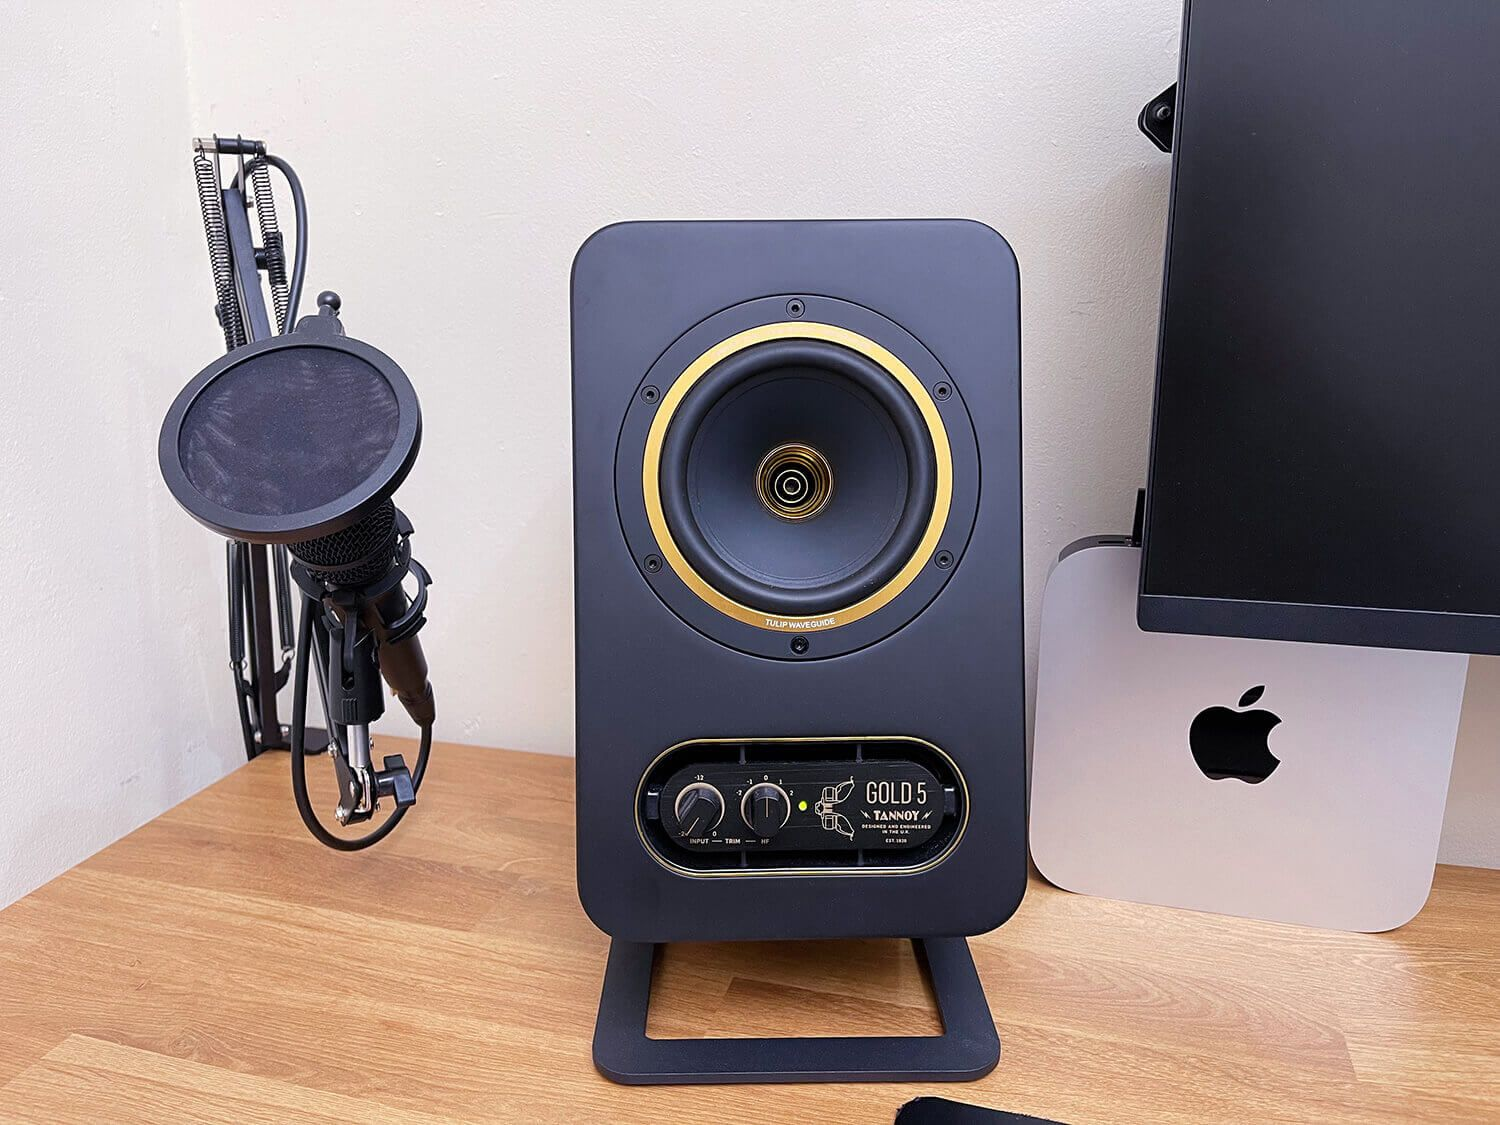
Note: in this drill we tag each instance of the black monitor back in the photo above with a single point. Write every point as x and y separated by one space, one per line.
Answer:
1325 443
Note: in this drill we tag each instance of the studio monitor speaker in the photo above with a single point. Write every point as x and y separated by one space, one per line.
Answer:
797 536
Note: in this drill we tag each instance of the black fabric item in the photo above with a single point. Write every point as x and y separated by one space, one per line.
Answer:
941 1111
288 431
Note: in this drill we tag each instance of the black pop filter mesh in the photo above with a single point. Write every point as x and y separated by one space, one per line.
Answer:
288 431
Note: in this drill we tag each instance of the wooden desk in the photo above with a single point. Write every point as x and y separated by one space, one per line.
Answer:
219 965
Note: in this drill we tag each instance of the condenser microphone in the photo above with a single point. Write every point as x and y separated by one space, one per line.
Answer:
369 554
301 440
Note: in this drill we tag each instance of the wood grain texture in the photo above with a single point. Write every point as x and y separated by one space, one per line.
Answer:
220 965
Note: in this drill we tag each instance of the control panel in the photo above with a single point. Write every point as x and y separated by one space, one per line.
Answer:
766 805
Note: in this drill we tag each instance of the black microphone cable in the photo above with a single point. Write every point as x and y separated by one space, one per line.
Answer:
299 204
299 211
310 609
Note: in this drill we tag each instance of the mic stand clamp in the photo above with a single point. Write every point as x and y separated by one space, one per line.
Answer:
360 788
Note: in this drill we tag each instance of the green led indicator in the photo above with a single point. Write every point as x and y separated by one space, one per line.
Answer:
801 806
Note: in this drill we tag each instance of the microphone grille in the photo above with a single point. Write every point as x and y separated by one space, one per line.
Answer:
366 548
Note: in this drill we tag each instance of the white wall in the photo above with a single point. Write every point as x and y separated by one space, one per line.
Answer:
455 157
112 643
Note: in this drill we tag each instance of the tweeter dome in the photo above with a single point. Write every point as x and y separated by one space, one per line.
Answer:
798 568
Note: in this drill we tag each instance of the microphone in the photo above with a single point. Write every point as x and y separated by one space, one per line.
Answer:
299 441
368 552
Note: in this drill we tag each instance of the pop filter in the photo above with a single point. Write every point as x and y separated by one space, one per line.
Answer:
291 438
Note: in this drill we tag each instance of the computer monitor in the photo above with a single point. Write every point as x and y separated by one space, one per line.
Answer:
1325 452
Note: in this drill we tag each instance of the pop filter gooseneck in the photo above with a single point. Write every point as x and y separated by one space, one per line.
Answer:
299 441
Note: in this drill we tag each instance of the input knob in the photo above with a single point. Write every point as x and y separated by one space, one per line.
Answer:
699 808
765 807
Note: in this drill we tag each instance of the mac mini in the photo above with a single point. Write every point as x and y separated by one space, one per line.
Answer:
1267 779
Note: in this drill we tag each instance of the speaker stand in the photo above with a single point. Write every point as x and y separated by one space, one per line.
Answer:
967 1049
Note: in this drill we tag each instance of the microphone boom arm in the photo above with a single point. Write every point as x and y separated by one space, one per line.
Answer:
257 577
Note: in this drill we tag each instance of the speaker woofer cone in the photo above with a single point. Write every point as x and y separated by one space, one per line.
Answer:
736 523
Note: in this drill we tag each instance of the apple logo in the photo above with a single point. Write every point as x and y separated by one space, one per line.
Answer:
1228 743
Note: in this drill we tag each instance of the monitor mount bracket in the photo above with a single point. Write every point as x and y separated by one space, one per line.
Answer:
1157 117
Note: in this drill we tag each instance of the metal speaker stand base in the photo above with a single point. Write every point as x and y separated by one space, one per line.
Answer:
968 1048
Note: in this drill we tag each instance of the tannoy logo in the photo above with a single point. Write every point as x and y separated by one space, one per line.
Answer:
901 814
783 623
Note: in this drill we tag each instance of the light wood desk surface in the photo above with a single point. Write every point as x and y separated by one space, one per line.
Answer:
220 965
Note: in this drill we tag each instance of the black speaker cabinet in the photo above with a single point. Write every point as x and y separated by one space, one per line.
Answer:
798 603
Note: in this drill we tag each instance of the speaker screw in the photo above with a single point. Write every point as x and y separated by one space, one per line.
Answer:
650 394
795 307
653 563
944 559
942 390
799 645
